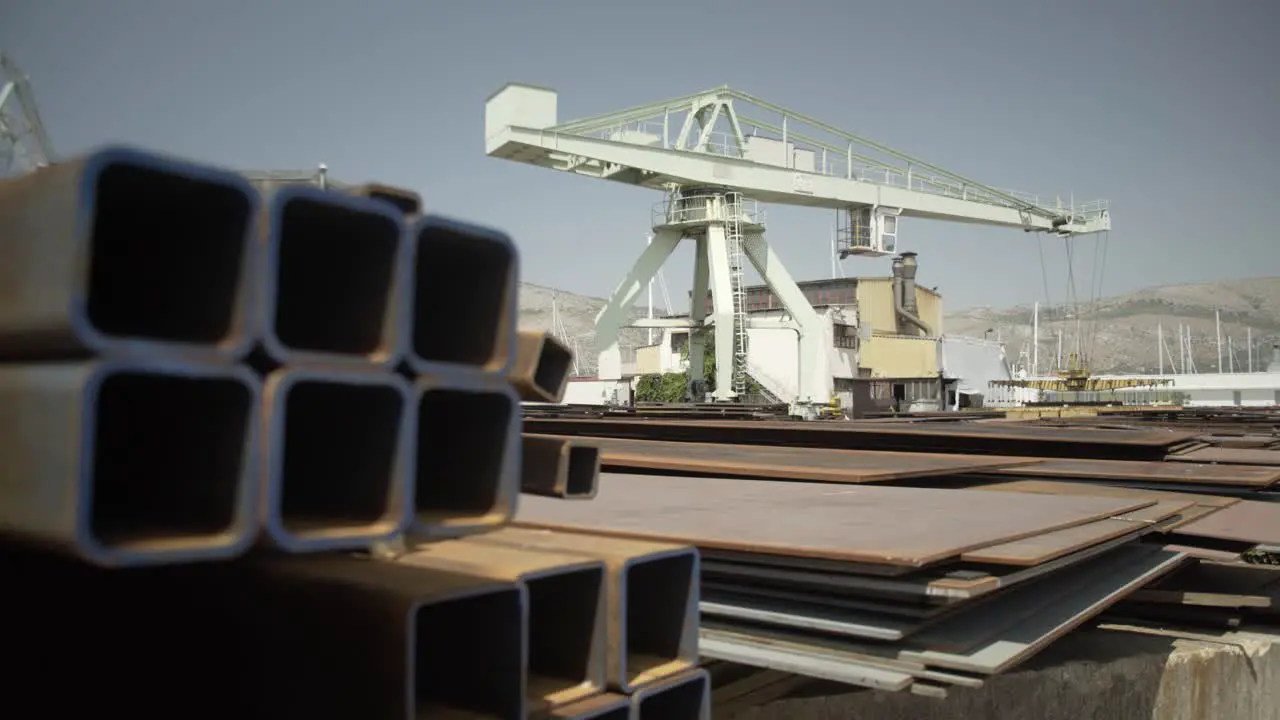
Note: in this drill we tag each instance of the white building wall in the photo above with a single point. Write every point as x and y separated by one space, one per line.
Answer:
584 391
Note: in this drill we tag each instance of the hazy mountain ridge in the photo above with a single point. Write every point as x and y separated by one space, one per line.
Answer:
1120 332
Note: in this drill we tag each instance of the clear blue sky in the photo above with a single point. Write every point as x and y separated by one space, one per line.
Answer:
1168 108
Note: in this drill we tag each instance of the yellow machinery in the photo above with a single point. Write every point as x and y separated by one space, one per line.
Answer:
1076 378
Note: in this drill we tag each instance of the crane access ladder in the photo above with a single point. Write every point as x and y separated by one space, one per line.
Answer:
737 281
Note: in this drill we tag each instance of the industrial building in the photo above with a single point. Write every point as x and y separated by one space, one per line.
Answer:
875 347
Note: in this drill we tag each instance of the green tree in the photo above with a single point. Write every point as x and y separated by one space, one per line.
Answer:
673 387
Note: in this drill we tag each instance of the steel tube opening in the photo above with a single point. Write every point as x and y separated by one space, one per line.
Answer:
684 698
335 265
554 364
658 616
584 472
464 295
540 371
468 457
564 614
471 656
167 255
171 460
337 458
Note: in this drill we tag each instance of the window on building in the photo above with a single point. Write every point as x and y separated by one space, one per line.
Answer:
679 341
845 336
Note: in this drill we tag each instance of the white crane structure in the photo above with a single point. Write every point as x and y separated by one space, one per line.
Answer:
716 155
24 145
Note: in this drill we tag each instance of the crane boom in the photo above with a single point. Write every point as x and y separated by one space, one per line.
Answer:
792 159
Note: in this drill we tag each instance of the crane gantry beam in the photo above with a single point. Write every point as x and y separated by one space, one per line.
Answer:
810 163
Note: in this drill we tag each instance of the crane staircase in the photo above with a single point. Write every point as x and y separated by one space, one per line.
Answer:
737 280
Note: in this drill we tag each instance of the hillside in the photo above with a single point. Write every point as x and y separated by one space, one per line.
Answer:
1126 325
578 315
1125 336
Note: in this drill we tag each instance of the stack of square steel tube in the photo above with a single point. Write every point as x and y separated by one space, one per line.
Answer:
261 455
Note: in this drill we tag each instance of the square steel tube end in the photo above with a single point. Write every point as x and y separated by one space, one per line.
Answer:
130 462
335 266
559 467
128 252
652 599
567 611
463 297
607 706
684 697
388 639
467 468
407 202
541 369
337 457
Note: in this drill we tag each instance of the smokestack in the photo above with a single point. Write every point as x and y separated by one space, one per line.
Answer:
896 291
1274 365
904 295
909 281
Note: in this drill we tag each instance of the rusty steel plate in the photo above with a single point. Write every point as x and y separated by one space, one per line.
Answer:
1229 456
958 438
878 524
815 464
1165 472
1249 521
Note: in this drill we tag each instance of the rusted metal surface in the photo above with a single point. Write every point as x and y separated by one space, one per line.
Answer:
1229 456
407 202
127 462
608 706
395 640
559 467
1042 548
316 636
684 697
862 524
1202 504
126 251
467 464
814 464
982 638
541 368
1248 521
567 611
463 298
958 438
337 458
652 597
1164 472
333 269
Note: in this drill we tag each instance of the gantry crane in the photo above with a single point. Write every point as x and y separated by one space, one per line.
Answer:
24 145
715 155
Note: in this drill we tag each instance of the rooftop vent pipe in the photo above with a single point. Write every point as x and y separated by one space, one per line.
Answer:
904 294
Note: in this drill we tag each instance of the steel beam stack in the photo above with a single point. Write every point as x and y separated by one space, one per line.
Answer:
259 450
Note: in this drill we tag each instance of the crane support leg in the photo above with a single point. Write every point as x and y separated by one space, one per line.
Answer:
614 315
722 303
814 364
698 310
